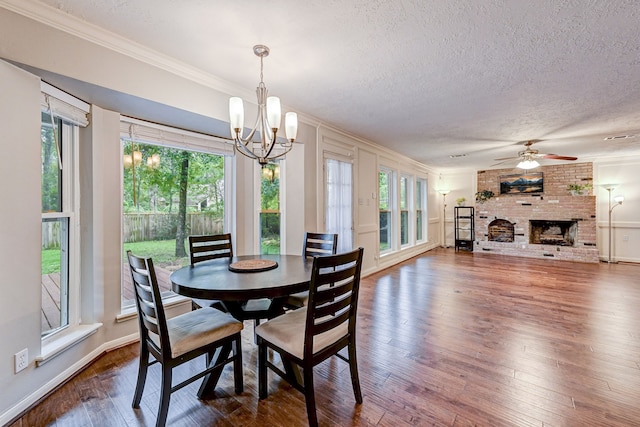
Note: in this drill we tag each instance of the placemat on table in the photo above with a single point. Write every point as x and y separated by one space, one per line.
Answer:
252 265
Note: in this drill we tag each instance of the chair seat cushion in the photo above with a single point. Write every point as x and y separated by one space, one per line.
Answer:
288 333
198 328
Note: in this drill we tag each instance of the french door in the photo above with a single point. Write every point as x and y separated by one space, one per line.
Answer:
338 186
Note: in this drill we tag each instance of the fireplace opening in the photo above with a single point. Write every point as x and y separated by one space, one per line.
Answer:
559 233
501 230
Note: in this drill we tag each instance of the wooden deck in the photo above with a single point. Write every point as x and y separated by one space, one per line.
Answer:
50 318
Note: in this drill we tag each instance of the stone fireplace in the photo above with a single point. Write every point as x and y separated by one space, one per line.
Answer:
553 224
559 233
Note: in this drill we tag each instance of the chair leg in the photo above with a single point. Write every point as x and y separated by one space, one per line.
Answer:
353 367
165 396
262 369
256 323
143 364
237 364
310 396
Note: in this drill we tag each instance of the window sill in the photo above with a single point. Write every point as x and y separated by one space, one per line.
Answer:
65 340
129 313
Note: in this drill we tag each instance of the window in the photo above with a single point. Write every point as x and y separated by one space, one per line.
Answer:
406 198
338 201
270 209
57 217
59 134
61 117
421 208
386 206
171 188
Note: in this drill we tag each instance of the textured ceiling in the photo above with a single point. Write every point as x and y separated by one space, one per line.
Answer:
428 78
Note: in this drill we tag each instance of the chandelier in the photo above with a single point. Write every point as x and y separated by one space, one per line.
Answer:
266 147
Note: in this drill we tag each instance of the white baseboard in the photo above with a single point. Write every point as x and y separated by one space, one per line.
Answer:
34 397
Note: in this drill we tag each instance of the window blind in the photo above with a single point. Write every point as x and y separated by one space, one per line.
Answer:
153 133
68 108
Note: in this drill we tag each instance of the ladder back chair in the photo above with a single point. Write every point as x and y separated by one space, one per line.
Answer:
206 247
315 244
174 341
329 322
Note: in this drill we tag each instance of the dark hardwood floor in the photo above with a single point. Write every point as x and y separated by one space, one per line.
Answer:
444 339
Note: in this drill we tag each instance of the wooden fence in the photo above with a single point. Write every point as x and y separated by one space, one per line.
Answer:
140 227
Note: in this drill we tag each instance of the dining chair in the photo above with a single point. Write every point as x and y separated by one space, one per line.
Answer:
206 247
179 339
329 321
315 244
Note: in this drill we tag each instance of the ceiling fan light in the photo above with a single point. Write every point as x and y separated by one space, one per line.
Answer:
528 164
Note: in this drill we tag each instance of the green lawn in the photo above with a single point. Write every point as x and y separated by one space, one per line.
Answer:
162 252
50 261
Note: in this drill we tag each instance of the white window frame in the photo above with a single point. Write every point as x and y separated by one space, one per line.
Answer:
257 202
174 138
422 206
70 203
393 208
409 194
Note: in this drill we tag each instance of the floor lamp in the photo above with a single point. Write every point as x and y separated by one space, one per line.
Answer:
444 215
618 201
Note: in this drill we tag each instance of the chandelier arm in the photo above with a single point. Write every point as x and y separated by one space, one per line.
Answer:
241 147
271 145
248 154
280 155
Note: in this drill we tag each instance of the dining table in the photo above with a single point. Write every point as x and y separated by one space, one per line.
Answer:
238 280
266 276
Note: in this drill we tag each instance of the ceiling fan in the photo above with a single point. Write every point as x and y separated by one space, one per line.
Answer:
528 157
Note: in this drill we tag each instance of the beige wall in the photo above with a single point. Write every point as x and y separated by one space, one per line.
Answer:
37 45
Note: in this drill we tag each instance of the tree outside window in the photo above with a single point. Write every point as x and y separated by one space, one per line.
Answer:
270 209
168 194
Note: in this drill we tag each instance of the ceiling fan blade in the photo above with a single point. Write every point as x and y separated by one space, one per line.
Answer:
507 158
557 157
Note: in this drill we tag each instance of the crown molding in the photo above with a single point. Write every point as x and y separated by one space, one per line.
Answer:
69 24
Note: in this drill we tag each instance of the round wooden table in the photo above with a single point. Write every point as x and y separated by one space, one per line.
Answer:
214 281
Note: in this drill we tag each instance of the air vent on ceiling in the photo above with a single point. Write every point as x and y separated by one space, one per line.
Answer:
609 138
453 156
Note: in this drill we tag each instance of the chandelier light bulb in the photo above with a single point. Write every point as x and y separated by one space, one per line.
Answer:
291 125
236 115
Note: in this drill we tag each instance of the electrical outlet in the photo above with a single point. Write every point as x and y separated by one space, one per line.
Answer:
625 238
21 359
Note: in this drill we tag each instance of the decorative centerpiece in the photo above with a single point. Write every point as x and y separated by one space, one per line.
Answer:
484 195
460 201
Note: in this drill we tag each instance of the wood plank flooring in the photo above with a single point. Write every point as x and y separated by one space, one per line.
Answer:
444 339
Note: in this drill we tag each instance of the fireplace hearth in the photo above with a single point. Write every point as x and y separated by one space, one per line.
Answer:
559 233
